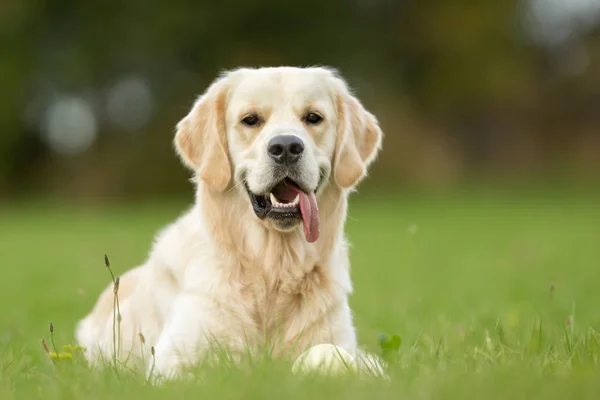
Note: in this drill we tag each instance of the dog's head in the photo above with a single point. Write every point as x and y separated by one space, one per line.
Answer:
279 137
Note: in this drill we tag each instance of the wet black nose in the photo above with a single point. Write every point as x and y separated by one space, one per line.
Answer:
285 149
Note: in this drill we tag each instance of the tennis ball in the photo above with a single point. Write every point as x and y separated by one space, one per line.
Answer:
325 359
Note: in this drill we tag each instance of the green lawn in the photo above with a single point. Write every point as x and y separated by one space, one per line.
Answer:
494 296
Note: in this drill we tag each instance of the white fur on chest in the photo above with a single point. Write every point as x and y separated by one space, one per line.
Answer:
273 298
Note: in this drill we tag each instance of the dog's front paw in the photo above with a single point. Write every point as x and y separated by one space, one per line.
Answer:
166 366
371 365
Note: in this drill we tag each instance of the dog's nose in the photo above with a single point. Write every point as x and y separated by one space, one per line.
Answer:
285 149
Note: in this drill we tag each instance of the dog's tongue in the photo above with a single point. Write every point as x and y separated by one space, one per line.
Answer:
310 214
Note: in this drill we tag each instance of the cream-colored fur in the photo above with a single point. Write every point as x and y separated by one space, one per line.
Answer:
221 276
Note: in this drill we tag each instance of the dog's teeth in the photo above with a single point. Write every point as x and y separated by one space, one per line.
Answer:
277 204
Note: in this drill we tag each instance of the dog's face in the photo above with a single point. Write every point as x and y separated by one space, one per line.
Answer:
281 130
278 135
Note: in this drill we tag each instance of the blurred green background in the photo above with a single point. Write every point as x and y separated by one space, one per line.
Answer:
466 91
475 237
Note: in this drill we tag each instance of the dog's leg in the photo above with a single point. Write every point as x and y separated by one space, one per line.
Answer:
186 336
110 333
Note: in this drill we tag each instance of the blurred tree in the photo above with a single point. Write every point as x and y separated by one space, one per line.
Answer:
457 85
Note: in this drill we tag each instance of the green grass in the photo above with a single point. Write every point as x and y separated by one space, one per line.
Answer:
494 295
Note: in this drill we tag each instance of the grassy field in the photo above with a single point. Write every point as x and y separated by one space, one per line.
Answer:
494 296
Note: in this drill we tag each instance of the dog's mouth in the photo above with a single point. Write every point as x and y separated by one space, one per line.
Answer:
286 202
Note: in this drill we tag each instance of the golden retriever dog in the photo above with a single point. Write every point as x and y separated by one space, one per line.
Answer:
261 259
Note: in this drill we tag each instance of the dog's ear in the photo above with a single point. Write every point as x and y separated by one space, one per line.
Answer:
201 141
358 139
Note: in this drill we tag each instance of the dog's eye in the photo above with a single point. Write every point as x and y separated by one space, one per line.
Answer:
251 120
312 118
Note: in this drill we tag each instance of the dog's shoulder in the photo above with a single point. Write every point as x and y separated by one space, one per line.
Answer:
174 243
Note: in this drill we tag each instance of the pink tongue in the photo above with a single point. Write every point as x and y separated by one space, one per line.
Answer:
310 214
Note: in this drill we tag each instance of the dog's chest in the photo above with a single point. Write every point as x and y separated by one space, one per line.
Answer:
278 302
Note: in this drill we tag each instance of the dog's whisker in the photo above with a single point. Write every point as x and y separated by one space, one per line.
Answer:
237 185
